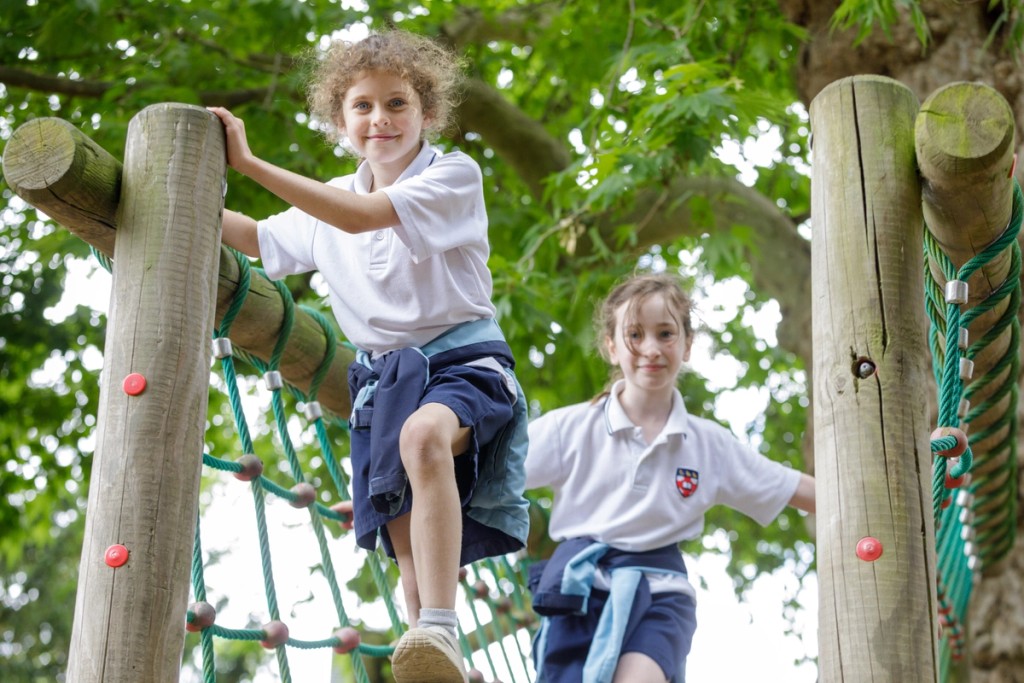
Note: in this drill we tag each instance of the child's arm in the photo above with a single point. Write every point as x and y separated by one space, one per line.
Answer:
239 231
348 211
803 497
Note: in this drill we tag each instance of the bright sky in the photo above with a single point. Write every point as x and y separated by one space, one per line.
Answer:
733 642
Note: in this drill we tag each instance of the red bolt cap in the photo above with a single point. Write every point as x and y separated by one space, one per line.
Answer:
134 384
869 549
348 640
954 482
116 555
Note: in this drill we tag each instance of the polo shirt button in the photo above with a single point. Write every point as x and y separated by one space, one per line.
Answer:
379 235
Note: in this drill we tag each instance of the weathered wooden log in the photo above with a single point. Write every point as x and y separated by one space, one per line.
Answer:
59 170
877 619
144 492
965 152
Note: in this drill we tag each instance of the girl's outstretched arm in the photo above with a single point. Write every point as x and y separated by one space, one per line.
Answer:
348 211
803 498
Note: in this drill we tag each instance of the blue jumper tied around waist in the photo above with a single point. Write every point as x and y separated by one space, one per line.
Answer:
562 585
387 390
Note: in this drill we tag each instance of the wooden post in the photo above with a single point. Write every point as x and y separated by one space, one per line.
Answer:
965 150
877 619
130 617
59 170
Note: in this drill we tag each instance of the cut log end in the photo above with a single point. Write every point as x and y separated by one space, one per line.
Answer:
964 128
49 143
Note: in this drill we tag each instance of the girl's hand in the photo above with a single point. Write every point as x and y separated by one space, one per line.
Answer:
344 508
240 156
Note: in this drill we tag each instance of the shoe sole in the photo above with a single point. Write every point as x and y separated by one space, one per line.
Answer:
420 658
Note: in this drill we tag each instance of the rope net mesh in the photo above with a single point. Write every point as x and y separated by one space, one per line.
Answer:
494 638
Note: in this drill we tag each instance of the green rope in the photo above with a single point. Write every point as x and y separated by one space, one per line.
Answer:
103 259
262 485
199 588
979 526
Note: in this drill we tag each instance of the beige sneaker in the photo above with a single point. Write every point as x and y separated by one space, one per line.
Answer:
428 655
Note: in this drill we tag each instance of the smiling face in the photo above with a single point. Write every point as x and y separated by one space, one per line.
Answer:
649 346
383 119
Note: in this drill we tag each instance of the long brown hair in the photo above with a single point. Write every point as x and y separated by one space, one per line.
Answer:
633 292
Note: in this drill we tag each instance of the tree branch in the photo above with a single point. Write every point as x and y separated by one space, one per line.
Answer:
522 142
20 78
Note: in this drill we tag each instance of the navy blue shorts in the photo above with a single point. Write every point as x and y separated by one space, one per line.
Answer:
480 398
664 634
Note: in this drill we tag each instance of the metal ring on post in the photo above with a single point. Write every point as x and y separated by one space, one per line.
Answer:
966 368
312 411
956 292
962 337
963 408
222 347
273 380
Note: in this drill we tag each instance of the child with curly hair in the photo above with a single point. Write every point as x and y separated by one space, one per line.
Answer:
438 427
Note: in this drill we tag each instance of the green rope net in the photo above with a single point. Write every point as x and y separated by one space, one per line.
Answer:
974 494
496 645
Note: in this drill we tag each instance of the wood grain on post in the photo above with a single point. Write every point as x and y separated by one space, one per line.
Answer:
144 493
59 170
877 620
965 144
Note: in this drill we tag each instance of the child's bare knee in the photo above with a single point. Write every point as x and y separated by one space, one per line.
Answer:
423 442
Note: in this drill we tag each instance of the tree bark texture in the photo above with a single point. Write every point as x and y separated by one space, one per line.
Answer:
130 617
57 169
877 619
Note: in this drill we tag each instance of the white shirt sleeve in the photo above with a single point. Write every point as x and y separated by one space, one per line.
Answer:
752 483
440 208
544 459
286 243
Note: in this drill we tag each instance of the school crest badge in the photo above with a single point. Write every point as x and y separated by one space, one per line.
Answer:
686 481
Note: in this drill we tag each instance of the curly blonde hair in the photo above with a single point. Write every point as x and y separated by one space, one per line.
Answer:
433 71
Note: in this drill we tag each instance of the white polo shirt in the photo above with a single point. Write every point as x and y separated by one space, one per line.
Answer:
404 285
612 486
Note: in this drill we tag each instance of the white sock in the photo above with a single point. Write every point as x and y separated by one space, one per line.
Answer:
441 618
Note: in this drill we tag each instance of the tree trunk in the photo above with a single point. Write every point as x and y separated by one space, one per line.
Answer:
877 617
137 553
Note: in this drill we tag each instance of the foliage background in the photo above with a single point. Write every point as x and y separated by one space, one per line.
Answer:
610 135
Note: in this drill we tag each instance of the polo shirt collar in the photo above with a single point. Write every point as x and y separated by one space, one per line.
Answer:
615 418
364 176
